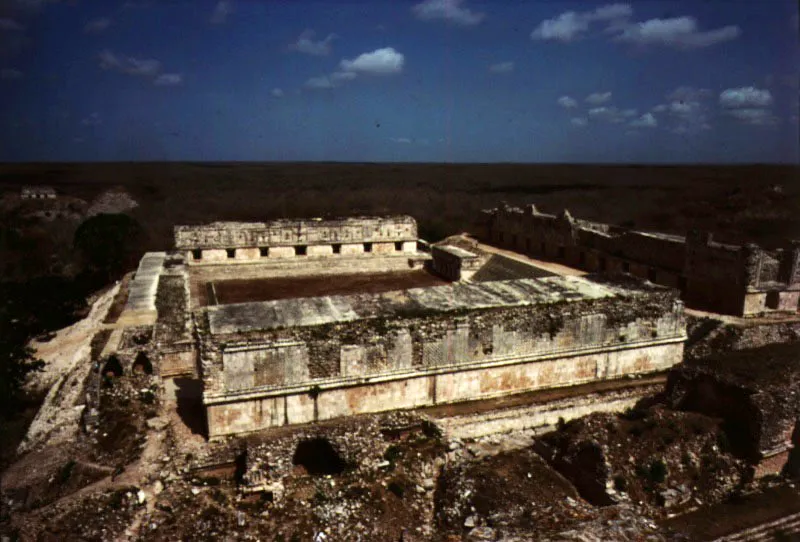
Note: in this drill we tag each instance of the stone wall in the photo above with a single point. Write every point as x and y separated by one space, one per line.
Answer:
233 235
373 365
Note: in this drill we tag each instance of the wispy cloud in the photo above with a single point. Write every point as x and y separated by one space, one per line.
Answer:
571 25
305 44
92 119
502 67
147 67
597 98
579 121
10 25
97 26
567 103
10 74
320 82
222 10
402 140
168 80
451 11
277 93
676 32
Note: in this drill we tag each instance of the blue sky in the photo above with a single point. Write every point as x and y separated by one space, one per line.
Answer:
371 80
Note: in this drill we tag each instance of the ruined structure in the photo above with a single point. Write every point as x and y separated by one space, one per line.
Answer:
728 279
38 192
297 321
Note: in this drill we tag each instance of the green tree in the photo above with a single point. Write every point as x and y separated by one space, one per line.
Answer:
108 241
16 363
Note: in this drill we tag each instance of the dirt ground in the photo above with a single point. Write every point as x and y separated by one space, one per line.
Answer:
240 291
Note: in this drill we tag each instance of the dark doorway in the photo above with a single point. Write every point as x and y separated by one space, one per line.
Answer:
142 364
317 456
112 368
189 398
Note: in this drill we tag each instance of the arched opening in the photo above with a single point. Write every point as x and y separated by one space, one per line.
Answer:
317 456
112 367
142 364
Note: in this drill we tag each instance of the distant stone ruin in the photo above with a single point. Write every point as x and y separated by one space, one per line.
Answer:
38 192
717 277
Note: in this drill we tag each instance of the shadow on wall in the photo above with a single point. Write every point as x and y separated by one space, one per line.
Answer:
189 398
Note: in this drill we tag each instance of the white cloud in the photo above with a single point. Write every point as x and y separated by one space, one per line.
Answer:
96 26
565 28
403 140
579 121
168 80
129 65
277 93
381 62
660 108
451 11
9 74
11 25
502 67
748 105
221 12
571 25
598 98
629 113
676 32
305 44
567 103
745 97
645 121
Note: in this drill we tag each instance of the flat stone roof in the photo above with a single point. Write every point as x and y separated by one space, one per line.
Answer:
456 251
262 316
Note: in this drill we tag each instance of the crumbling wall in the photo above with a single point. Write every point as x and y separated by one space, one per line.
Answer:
753 390
383 364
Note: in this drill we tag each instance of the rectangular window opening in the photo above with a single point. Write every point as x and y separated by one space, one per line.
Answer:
197 254
300 250
231 252
367 247
398 246
263 252
337 248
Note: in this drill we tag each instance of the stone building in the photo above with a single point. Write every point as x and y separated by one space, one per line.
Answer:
296 321
37 192
729 279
